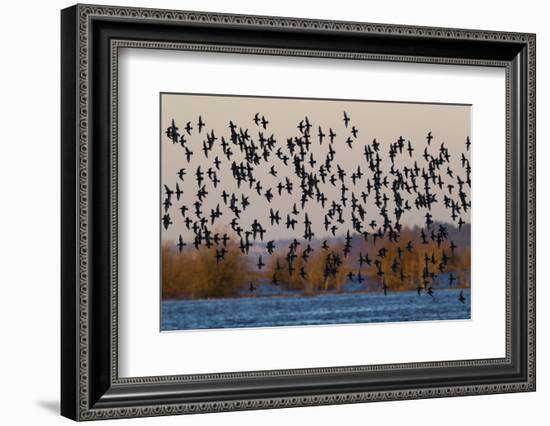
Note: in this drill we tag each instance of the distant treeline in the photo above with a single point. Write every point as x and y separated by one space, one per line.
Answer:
194 274
403 269
197 274
413 262
318 273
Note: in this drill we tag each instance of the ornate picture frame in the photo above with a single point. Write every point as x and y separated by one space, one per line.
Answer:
91 38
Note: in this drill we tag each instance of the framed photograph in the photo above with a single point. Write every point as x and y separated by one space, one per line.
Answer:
263 212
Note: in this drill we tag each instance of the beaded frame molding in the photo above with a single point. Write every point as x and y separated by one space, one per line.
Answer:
91 39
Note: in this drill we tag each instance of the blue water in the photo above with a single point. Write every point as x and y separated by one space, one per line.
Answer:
293 309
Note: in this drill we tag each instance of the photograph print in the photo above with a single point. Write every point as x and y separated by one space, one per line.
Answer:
282 211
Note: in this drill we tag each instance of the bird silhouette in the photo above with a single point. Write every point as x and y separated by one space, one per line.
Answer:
181 244
188 128
346 119
200 124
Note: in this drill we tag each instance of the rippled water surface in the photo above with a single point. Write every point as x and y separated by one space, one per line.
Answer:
292 309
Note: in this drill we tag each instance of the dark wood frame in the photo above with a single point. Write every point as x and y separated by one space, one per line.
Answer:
90 39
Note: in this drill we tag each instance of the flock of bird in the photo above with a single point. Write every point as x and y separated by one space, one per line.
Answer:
303 172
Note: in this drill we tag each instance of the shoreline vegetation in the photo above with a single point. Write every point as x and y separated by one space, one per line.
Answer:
295 294
198 274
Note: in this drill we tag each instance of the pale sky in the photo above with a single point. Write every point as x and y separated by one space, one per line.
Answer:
385 121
